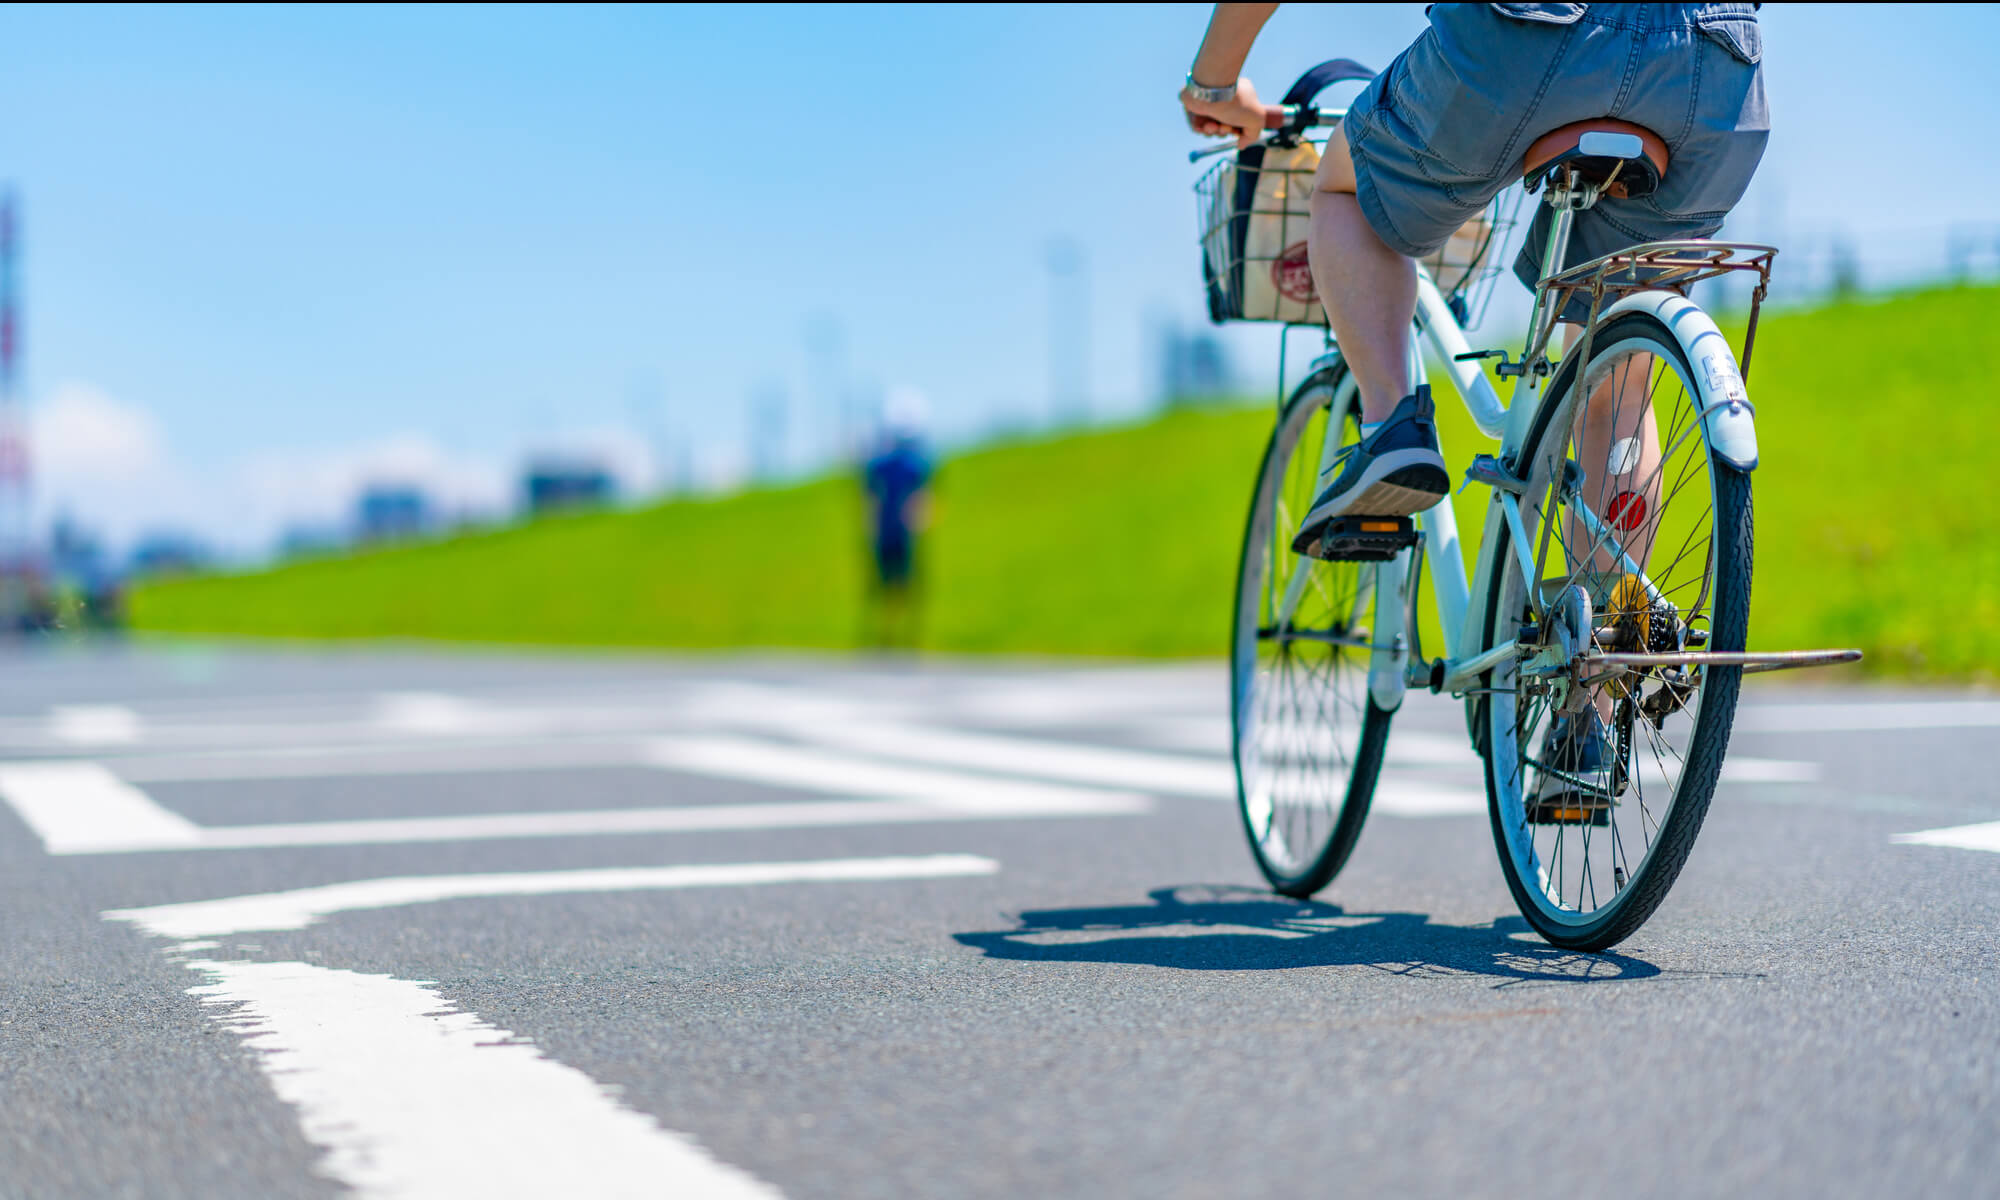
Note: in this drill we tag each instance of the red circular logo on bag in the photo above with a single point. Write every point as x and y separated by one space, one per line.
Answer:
1292 275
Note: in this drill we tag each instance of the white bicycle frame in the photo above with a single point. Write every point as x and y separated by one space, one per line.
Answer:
1727 426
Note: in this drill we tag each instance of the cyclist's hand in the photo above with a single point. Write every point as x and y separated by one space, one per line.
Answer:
1241 118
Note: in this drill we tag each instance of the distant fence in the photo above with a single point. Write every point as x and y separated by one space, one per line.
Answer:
1818 266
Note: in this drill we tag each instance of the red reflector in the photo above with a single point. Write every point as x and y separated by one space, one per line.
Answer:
1627 511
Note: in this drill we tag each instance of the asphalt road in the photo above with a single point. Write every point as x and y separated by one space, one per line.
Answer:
280 924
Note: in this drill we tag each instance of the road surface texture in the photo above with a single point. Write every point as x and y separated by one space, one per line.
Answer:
281 923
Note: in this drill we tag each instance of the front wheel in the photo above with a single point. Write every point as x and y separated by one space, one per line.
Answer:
1630 557
1307 739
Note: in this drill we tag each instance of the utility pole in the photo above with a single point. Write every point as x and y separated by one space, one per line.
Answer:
1069 332
648 400
14 553
767 432
828 388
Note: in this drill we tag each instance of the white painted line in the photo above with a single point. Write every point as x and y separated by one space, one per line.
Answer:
436 713
297 909
813 770
115 838
1984 836
366 761
1396 797
94 725
411 1097
1143 770
1867 718
81 808
1738 768
692 818
1199 735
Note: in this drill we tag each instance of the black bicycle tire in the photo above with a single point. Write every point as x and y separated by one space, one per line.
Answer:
1346 831
1721 686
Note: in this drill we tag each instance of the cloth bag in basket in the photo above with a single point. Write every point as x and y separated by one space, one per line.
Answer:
1256 263
1255 251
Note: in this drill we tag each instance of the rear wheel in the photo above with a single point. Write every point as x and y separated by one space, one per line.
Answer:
1307 738
1591 843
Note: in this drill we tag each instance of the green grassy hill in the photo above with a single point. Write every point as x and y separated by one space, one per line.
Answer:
1871 531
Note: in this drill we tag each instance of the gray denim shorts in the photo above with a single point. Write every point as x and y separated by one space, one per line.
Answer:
1441 132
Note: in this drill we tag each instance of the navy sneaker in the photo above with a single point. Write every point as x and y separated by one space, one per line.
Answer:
1574 745
1394 472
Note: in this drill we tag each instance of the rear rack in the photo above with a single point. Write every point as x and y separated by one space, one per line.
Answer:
1673 266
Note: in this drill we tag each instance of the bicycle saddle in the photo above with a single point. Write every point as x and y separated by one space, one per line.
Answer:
1632 157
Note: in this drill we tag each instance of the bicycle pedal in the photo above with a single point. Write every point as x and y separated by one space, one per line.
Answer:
1365 539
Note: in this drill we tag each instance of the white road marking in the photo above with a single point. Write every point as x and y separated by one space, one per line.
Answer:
297 909
1983 836
692 818
440 713
94 725
411 1097
82 808
1741 768
360 761
1398 797
814 770
1075 761
1866 718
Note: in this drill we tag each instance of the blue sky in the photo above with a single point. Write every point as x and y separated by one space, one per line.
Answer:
270 252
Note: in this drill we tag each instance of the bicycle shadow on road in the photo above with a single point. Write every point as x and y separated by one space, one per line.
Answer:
1224 928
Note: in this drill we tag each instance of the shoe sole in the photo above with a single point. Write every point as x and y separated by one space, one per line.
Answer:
1399 484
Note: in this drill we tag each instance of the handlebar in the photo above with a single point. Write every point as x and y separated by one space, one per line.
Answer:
1283 119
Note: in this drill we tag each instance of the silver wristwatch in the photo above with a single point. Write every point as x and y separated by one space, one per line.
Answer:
1209 95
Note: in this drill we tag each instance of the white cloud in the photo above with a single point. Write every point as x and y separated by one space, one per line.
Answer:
105 462
80 435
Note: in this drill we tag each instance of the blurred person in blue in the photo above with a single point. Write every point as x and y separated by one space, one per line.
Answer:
897 479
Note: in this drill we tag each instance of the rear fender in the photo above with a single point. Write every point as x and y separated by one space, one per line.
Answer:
1729 421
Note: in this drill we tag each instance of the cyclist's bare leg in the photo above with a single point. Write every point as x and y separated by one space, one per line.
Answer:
1369 290
1619 408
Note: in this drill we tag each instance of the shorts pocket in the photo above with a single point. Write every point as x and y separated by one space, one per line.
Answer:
1547 14
1736 32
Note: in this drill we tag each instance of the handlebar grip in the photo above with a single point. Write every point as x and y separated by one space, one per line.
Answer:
1277 116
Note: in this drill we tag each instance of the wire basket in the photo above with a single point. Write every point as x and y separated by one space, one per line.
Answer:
1254 212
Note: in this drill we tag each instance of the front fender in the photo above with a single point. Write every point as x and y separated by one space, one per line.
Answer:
1729 422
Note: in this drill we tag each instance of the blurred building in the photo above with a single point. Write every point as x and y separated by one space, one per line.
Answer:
1194 368
391 512
556 485
310 541
168 552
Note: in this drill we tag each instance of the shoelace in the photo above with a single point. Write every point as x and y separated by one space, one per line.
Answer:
1340 458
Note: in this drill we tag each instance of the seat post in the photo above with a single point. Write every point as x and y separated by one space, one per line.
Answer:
1567 199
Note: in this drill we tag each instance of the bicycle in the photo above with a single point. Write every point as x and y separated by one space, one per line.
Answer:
1638 613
